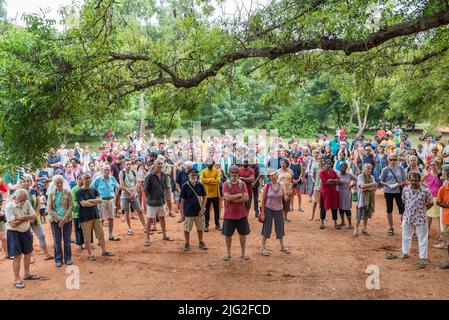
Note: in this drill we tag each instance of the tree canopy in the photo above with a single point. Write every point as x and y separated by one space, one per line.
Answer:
294 65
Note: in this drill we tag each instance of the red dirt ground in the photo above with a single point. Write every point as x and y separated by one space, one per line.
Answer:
324 264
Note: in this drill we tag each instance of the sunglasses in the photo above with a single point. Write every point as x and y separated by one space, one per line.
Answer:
392 159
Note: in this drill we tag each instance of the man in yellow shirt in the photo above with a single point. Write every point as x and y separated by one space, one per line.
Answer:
210 177
388 144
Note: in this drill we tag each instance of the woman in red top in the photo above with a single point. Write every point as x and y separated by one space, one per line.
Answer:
329 194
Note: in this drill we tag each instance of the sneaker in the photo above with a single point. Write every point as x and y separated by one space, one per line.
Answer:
202 245
58 264
206 229
69 262
218 228
186 247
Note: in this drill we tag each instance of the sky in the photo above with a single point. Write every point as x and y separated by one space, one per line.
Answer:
16 8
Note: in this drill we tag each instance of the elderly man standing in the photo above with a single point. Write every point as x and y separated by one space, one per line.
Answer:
155 186
88 198
210 177
108 189
19 214
193 202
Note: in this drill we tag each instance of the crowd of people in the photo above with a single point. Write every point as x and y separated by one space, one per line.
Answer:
144 180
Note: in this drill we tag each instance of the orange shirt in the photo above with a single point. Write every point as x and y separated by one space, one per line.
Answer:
443 196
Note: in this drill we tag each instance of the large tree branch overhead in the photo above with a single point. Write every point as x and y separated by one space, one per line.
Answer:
328 44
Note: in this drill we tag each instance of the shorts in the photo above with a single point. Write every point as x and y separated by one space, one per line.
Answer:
107 209
177 196
362 214
19 243
2 226
316 196
434 212
168 195
241 225
126 202
248 203
199 222
42 211
153 211
88 226
297 186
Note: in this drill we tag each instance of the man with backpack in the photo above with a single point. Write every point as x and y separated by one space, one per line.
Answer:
193 204
129 197
235 215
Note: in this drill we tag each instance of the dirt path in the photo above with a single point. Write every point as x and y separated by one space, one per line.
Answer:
324 264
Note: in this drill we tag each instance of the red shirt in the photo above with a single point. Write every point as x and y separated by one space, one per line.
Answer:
381 133
234 210
246 173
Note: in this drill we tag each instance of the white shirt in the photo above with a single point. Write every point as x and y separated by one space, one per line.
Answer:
13 211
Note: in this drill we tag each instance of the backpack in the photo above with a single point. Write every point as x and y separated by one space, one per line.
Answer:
240 185
124 174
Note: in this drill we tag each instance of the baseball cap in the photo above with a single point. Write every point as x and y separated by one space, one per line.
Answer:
192 171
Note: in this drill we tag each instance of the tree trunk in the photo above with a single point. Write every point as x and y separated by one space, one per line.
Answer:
142 114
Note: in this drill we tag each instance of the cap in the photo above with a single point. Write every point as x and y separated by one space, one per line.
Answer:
139 159
192 171
153 154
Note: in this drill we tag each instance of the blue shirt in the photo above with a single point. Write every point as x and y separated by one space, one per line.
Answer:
335 146
106 188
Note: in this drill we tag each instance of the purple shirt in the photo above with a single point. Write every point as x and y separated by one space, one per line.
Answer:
274 198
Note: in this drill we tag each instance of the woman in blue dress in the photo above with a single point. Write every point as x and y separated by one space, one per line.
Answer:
381 162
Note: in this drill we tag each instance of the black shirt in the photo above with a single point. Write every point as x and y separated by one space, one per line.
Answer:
155 188
192 205
87 213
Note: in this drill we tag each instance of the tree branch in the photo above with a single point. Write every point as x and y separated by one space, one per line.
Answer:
424 58
327 44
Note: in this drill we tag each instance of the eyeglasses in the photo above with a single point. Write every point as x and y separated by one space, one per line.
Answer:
392 159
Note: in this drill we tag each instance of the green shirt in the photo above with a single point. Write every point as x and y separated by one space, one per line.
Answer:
76 208
58 208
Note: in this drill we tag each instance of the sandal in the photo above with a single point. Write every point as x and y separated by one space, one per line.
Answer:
49 258
441 245
107 254
422 263
167 239
92 258
355 234
365 232
114 238
404 256
391 256
202 245
227 257
350 227
146 243
32 277
19 284
322 226
390 232
264 252
444 265
245 257
130 233
186 247
285 250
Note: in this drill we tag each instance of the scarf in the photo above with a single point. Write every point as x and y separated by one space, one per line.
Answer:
368 197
